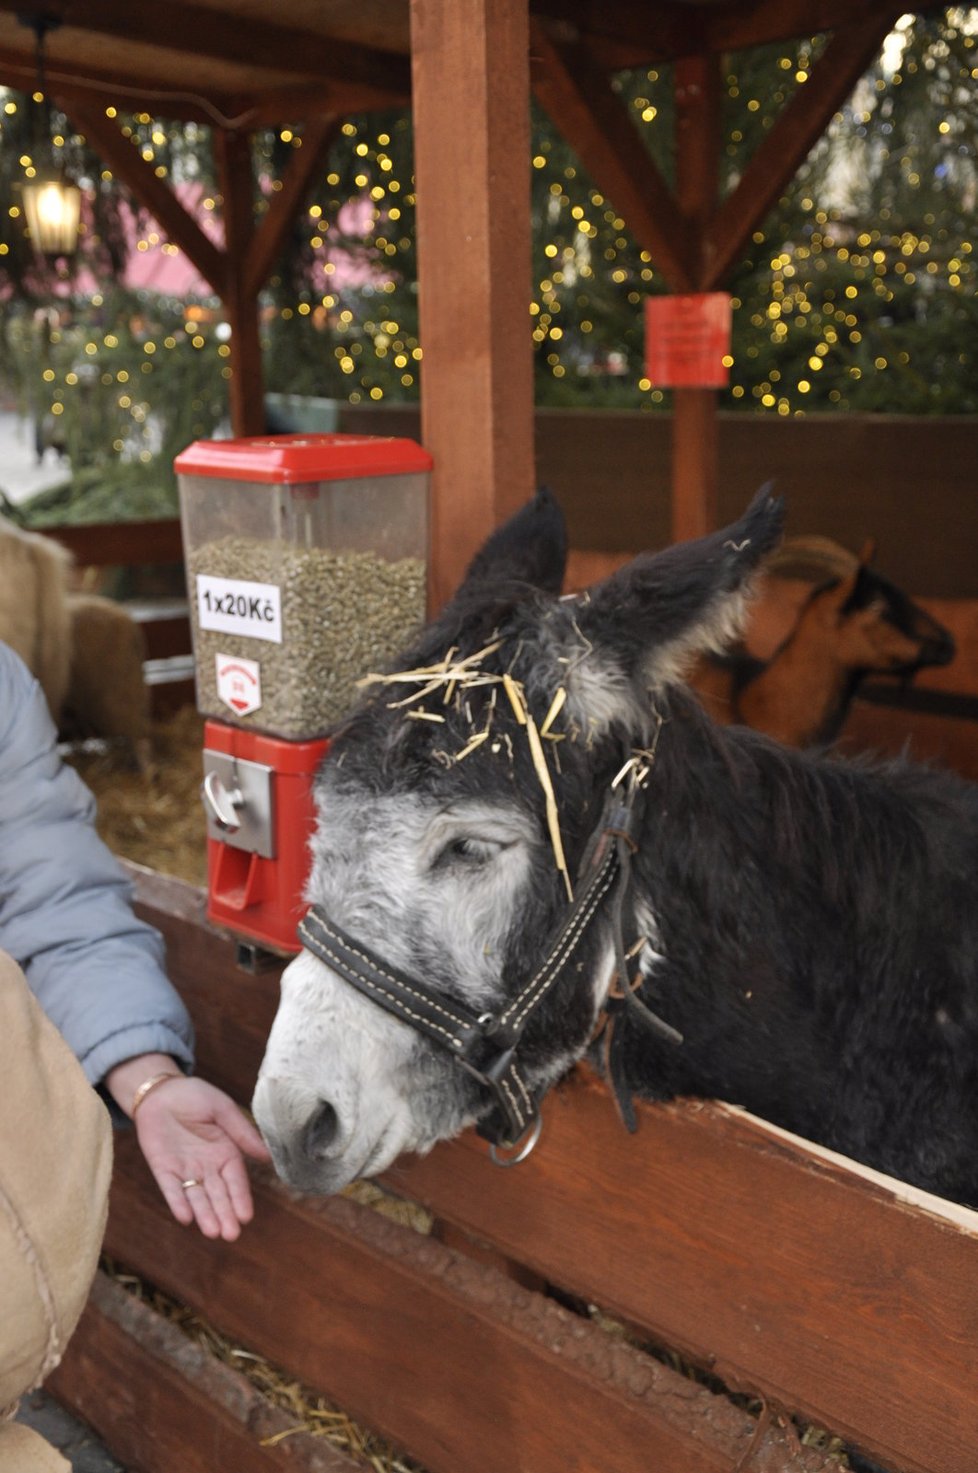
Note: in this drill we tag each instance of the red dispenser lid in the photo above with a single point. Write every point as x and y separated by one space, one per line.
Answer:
302 458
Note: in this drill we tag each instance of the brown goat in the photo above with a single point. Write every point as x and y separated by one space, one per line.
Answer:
855 624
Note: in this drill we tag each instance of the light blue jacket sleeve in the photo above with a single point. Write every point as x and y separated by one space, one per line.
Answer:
66 905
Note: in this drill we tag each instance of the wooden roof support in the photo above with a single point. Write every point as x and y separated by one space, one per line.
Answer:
269 239
237 273
695 446
472 149
793 135
103 85
578 97
223 270
737 27
693 240
277 105
232 155
128 164
206 31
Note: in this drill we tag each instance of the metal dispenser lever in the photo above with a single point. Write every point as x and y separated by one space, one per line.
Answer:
238 802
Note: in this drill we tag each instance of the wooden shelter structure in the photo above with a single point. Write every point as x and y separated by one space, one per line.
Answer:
823 1291
467 68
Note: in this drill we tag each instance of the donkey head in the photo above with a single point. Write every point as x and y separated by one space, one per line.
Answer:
454 807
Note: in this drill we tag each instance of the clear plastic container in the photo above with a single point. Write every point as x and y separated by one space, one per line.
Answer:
306 567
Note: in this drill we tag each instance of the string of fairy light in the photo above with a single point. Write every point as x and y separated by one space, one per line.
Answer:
388 199
809 332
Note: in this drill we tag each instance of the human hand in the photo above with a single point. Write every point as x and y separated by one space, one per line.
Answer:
191 1132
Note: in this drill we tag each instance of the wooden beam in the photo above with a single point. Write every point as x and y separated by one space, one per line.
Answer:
578 97
472 161
227 37
266 106
232 157
695 463
736 27
318 136
695 440
830 1290
789 141
619 33
106 85
155 194
627 29
696 88
121 544
173 1404
271 106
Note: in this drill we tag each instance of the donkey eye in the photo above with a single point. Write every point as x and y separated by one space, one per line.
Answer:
468 851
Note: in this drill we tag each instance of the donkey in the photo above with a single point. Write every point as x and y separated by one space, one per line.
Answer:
530 832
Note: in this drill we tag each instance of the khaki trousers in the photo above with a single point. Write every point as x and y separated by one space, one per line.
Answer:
55 1165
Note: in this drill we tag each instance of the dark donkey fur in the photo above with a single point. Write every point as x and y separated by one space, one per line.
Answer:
812 924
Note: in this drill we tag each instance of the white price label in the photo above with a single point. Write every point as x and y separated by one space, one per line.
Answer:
234 606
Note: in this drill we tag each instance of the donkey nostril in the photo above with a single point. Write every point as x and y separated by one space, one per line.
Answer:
320 1130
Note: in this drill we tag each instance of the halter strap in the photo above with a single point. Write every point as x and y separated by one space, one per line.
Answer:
485 1044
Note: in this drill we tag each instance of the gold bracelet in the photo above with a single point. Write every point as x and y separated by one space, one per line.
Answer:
147 1087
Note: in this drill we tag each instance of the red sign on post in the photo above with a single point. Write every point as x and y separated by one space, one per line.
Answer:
686 340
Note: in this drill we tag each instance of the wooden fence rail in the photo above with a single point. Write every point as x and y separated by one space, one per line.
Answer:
819 1288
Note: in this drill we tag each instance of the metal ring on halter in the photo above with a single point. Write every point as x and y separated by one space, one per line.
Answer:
529 1138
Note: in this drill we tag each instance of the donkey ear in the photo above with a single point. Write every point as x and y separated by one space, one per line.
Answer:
531 547
657 613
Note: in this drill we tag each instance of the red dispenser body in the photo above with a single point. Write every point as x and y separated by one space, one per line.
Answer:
257 894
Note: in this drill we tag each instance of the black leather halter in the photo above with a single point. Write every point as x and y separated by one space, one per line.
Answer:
486 1044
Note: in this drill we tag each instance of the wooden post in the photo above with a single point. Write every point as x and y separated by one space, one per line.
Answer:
232 156
472 163
695 460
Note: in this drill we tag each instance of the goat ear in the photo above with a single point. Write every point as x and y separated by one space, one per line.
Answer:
531 548
867 552
651 618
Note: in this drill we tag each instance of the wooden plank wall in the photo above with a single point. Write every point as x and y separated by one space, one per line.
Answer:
909 482
937 715
821 1289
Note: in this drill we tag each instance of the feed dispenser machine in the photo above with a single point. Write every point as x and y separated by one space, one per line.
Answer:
306 562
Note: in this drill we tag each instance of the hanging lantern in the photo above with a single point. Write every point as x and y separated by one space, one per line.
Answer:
52 203
53 209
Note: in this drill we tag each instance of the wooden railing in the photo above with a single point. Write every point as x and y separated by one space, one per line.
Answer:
816 1287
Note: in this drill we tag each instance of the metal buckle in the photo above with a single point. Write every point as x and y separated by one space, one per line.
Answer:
529 1138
